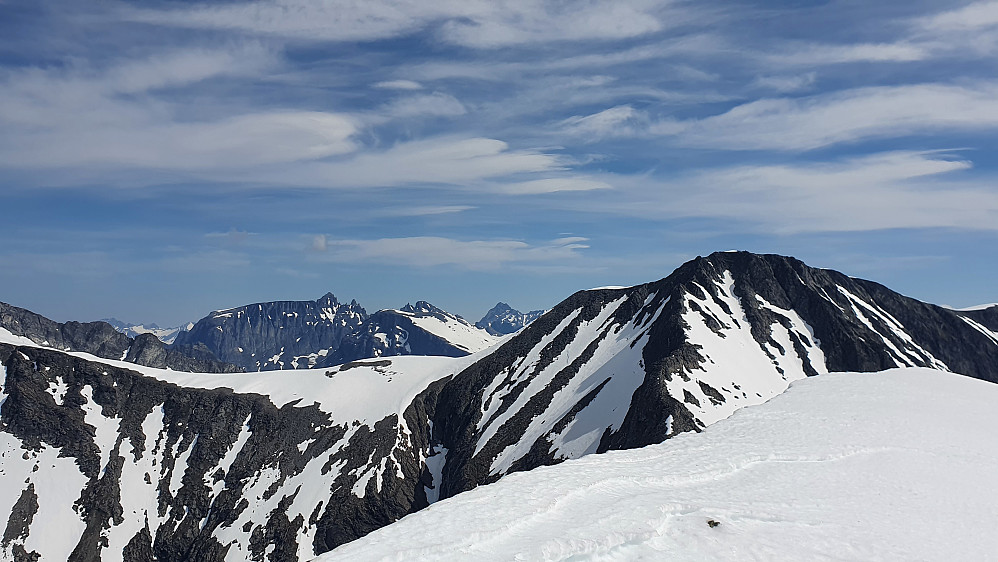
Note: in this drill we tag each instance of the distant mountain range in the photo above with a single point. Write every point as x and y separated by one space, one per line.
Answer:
282 334
103 340
139 463
165 335
326 332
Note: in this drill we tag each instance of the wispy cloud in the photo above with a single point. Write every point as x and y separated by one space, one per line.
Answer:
426 210
553 185
436 104
972 16
450 161
468 133
399 85
881 191
823 54
841 117
432 251
786 83
622 120
229 144
476 23
517 22
81 117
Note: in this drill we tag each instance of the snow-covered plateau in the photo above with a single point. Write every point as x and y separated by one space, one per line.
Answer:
895 465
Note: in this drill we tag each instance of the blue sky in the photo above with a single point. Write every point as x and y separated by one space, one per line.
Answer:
162 159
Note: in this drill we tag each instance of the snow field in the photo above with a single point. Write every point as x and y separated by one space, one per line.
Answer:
461 334
843 466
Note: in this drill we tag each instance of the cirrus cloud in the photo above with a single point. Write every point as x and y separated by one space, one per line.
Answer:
435 251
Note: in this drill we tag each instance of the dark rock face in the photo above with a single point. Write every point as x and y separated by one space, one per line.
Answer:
276 335
987 317
191 474
503 319
102 340
897 331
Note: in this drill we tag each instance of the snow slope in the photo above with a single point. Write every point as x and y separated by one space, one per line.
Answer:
454 329
897 465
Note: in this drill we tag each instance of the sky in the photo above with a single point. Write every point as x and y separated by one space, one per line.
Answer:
159 160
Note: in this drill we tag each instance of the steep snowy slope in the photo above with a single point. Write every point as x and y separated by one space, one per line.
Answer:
840 467
422 329
622 368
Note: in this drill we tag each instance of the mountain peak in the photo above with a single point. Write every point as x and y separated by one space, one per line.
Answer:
503 319
329 297
421 307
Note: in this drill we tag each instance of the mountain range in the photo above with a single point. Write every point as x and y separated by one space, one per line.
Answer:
165 335
103 340
122 460
326 332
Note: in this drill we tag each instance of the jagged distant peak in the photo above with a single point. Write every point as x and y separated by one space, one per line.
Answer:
501 307
329 297
423 307
503 319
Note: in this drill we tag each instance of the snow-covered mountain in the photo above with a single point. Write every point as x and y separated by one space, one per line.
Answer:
422 329
185 466
502 319
165 335
276 335
324 332
842 466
